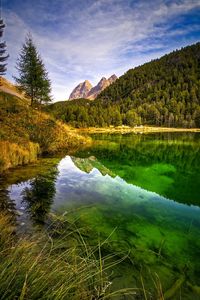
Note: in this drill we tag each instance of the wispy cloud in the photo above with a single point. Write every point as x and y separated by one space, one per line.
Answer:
81 40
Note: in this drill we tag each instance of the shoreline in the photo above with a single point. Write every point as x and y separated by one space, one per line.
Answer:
142 129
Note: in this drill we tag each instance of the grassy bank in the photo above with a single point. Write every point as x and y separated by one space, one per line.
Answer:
26 132
13 154
139 129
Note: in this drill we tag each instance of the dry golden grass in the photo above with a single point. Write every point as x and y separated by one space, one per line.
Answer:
25 132
139 129
10 88
12 155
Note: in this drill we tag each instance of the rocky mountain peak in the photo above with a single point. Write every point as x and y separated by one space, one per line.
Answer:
81 90
112 78
103 79
87 83
103 83
85 89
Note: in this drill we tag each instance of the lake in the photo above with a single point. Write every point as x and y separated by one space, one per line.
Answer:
137 195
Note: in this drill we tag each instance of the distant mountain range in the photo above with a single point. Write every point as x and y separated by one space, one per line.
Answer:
87 91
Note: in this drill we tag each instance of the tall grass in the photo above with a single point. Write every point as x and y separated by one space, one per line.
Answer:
42 267
12 154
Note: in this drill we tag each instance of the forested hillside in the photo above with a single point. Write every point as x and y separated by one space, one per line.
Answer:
163 92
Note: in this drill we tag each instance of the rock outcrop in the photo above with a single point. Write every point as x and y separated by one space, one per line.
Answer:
85 89
81 91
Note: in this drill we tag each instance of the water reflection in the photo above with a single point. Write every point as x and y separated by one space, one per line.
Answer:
38 196
157 232
143 220
33 198
8 206
167 164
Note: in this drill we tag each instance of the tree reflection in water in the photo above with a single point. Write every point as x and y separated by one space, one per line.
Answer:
38 197
8 206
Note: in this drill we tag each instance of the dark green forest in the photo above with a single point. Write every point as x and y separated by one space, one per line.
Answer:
163 92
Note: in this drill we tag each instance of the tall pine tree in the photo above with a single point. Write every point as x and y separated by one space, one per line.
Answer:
33 77
3 55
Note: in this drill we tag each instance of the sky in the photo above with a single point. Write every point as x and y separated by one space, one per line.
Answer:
91 39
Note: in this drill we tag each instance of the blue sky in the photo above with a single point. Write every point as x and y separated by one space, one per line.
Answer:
89 39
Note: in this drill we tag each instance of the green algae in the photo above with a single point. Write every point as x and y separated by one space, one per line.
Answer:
176 286
163 252
194 288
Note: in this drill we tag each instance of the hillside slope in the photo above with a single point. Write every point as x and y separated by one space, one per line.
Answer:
166 90
26 132
163 92
9 88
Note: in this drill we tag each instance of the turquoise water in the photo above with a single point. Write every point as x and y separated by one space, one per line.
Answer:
139 195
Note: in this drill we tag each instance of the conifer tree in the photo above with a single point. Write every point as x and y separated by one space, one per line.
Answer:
33 77
3 55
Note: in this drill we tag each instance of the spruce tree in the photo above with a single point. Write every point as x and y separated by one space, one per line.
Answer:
45 85
33 77
3 55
